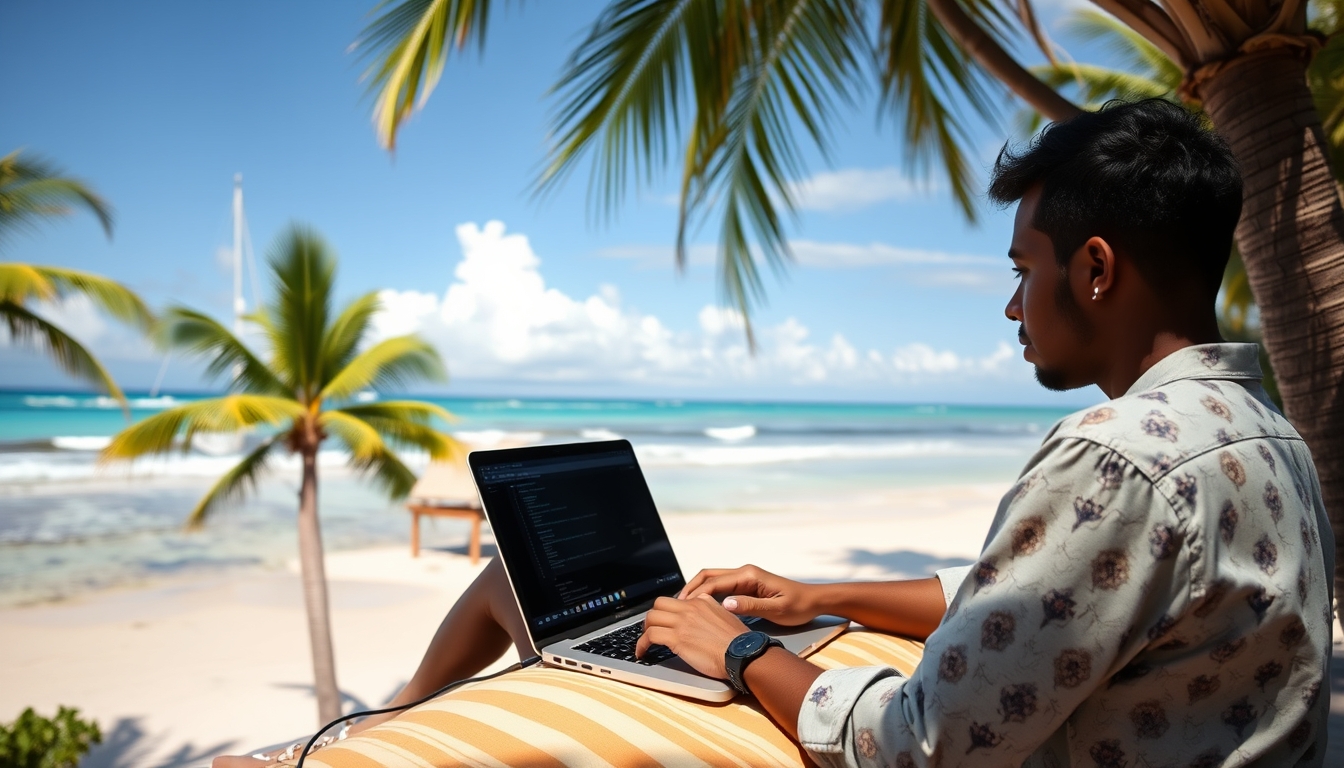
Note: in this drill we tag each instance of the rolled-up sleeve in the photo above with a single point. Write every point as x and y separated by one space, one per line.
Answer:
1030 629
951 580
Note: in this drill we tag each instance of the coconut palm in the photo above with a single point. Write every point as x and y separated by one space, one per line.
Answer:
734 88
303 394
32 191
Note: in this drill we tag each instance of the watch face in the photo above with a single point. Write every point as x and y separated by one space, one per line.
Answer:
747 644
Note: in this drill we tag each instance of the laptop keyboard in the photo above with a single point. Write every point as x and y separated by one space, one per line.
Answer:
620 644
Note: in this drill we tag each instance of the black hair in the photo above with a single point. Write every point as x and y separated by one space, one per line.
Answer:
1146 176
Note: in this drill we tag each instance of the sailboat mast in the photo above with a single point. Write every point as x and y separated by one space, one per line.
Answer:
239 307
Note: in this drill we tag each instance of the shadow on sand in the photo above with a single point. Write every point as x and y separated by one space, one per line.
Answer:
128 745
488 549
902 563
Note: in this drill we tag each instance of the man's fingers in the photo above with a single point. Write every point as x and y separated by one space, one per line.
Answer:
742 605
698 579
653 636
724 584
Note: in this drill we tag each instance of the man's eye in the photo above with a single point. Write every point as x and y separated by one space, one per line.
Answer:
1018 272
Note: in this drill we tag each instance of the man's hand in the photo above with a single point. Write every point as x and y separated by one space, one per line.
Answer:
750 591
698 630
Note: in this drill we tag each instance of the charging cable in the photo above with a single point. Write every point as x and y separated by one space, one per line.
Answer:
529 661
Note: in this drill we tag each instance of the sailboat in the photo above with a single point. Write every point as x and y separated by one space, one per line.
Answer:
228 443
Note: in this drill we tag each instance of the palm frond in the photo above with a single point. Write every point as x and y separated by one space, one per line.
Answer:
744 74
26 327
32 190
305 271
20 283
158 434
108 295
200 334
389 363
1138 53
360 438
410 42
347 330
369 455
406 424
924 73
235 484
1096 85
387 473
414 411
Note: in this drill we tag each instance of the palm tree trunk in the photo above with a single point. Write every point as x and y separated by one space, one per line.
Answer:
315 594
1291 237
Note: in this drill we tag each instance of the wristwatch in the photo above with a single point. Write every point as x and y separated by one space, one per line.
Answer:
746 648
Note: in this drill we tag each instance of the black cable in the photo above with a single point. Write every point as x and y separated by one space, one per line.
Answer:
529 661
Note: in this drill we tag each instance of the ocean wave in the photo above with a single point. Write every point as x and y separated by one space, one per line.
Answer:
598 434
80 443
731 434
489 438
101 402
29 468
741 455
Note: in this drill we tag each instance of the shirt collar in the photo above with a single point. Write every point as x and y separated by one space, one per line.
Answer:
1202 361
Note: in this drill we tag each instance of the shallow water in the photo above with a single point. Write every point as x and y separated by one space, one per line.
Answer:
68 525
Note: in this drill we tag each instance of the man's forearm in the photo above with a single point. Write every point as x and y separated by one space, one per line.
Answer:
780 681
910 608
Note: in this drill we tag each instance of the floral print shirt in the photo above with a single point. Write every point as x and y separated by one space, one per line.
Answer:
1154 590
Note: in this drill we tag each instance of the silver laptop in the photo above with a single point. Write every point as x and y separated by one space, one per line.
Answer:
586 555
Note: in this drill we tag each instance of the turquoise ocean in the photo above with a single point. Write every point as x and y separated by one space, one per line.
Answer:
69 525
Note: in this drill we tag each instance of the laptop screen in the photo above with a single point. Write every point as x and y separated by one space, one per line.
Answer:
578 530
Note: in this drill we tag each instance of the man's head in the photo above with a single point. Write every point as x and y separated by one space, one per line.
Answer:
1125 224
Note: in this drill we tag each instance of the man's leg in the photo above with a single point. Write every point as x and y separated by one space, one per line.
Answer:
476 631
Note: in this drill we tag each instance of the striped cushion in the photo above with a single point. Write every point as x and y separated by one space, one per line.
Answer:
551 717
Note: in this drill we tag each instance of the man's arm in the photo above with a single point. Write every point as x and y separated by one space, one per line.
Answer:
909 608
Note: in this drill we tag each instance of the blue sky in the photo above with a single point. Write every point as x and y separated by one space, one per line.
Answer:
157 105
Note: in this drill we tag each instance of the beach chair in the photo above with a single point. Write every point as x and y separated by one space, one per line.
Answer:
446 490
554 717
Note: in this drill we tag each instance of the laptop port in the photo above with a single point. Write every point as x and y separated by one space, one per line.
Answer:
556 659
571 662
606 671
587 667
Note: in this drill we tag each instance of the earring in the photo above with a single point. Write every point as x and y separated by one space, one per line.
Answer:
1096 293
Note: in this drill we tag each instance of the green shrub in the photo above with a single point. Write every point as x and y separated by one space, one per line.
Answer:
34 741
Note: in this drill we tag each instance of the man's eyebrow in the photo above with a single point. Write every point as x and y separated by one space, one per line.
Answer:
1015 254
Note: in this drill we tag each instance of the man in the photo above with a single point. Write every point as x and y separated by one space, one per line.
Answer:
1154 589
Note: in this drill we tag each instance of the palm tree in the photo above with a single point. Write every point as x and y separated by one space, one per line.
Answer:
734 88
301 396
32 191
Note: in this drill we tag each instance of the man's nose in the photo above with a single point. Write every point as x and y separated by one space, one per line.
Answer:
1014 309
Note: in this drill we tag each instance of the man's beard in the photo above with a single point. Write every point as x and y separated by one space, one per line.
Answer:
1054 379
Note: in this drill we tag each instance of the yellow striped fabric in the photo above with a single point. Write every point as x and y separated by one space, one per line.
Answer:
550 717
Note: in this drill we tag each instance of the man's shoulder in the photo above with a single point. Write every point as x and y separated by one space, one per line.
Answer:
1178 422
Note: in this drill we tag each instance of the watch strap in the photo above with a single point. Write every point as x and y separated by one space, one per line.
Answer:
737 665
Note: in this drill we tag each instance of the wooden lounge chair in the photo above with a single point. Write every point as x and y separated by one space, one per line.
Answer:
446 490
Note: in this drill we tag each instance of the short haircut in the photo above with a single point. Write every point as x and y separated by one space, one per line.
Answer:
1145 176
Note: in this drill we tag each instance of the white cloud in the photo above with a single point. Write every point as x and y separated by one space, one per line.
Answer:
850 189
499 320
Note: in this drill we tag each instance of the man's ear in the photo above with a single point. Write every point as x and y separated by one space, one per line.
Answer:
1099 262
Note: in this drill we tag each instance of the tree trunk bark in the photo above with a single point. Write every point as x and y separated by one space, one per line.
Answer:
1291 236
315 594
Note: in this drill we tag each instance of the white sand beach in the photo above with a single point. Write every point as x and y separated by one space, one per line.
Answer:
180 671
